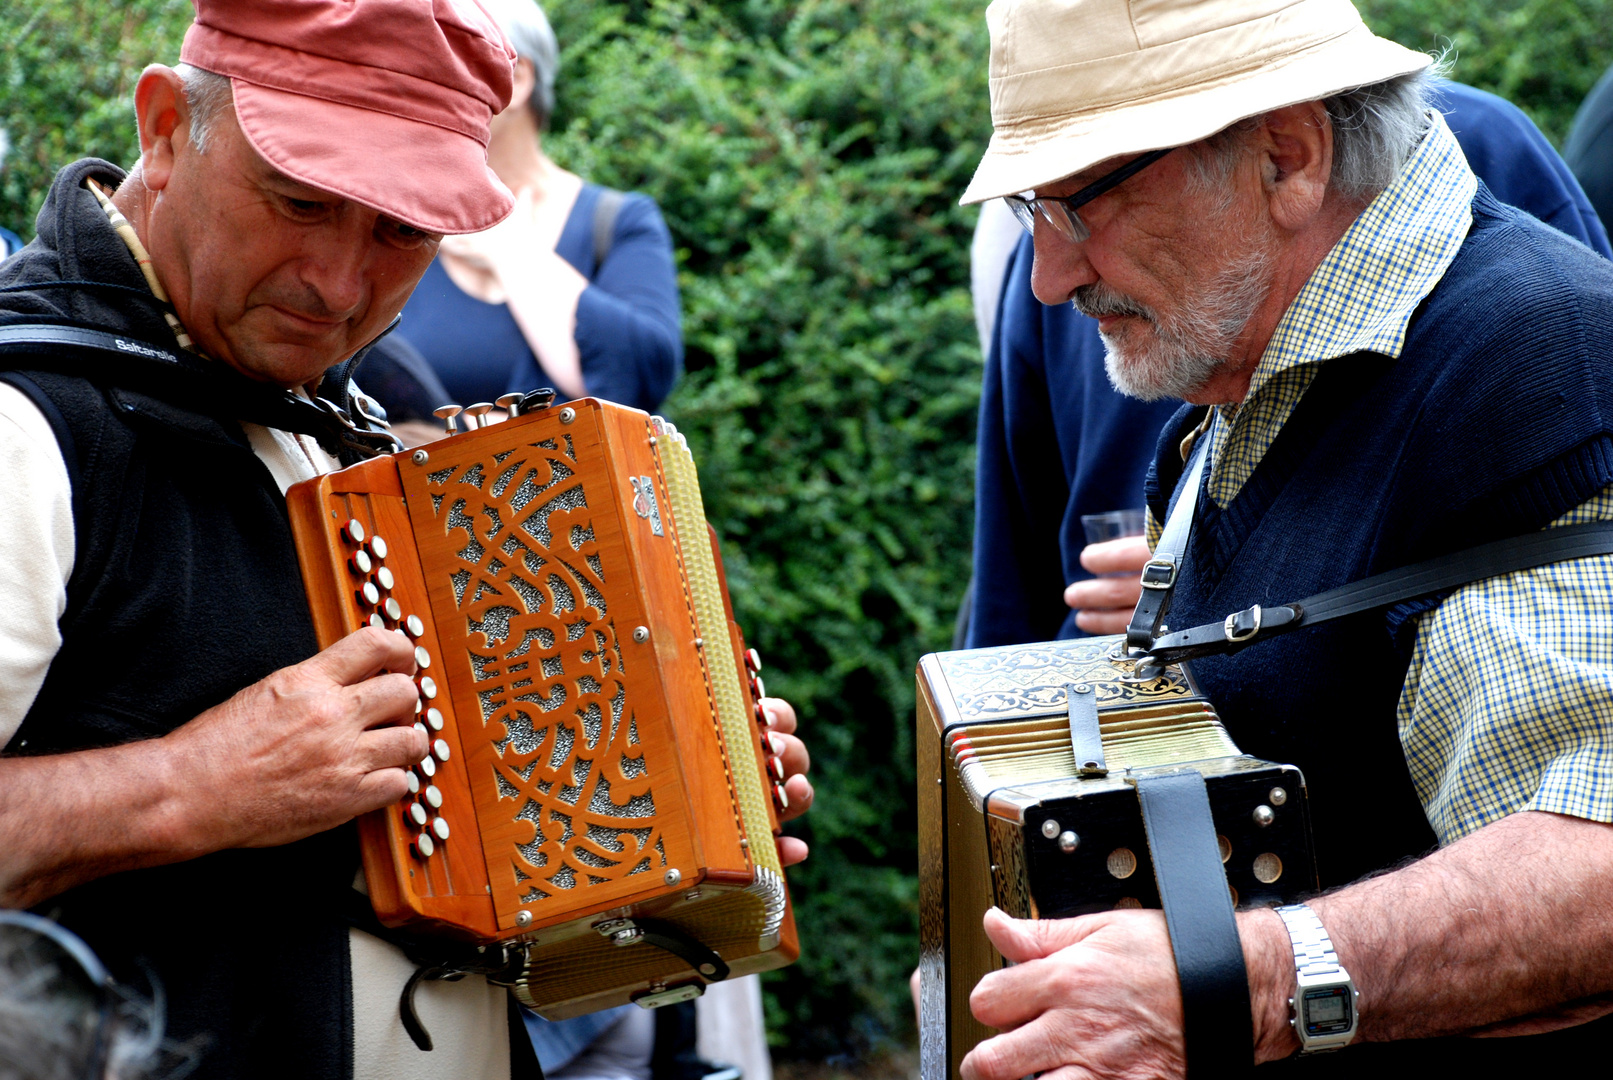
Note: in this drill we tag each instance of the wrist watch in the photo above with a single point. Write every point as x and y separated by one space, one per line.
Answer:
1323 1008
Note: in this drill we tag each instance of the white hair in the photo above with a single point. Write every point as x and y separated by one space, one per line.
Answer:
205 94
1375 130
528 29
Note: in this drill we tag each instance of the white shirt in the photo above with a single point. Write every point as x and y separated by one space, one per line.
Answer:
467 1019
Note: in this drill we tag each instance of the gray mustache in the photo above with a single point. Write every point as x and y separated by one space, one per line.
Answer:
1098 299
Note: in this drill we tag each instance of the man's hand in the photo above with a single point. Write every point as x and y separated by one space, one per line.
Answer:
782 741
1095 996
1103 605
305 749
309 747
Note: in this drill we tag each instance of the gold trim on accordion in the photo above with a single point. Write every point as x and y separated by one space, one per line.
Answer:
597 752
1006 819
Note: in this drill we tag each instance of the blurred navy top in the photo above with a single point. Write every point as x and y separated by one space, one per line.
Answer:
1057 441
1589 149
629 333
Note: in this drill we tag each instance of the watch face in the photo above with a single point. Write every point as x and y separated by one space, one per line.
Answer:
1327 1011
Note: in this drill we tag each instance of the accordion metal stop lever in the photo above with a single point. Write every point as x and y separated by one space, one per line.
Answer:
1011 815
598 796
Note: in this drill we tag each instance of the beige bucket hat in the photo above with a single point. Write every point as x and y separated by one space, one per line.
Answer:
1076 82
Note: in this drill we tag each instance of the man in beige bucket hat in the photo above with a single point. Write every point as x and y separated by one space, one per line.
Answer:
1383 365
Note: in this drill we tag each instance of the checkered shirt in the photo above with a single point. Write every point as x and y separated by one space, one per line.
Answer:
1508 703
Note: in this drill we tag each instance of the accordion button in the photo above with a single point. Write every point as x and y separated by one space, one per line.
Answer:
433 796
776 767
781 800
359 563
757 689
413 781
414 626
383 577
377 547
440 827
368 595
376 620
423 845
416 813
434 718
393 609
421 657
428 687
440 749
753 661
427 767
421 728
353 531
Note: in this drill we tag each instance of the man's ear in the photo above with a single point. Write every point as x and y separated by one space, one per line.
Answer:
1297 143
163 115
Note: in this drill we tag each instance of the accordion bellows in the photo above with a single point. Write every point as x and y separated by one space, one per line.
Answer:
596 751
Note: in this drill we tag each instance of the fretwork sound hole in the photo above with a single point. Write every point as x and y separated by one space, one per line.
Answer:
547 666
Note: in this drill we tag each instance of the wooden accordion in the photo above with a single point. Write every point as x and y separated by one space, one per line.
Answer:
597 776
1006 816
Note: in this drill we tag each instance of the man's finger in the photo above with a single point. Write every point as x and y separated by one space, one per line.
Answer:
391 748
1025 1051
798 789
383 700
792 850
780 715
1020 940
791 751
1103 622
1125 555
1103 594
363 653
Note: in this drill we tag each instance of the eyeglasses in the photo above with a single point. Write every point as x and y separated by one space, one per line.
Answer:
1060 211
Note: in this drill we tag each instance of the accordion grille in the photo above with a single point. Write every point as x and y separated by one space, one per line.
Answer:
734 720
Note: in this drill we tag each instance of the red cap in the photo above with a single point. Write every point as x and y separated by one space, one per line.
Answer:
385 102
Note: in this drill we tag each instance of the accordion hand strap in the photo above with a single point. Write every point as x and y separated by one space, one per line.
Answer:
1160 572
1198 913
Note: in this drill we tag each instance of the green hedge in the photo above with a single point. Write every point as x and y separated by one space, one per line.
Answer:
808 157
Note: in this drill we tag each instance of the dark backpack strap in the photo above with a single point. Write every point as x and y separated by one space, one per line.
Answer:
1243 628
605 214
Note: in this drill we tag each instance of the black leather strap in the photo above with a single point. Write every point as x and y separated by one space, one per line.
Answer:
1160 573
1086 739
1243 628
1198 913
168 373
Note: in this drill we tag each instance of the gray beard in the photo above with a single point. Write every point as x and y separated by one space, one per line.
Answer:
1191 343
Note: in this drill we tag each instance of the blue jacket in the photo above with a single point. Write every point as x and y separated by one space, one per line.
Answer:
1057 441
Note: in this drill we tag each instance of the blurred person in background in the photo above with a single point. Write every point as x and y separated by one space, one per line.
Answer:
9 241
1057 441
1589 149
576 289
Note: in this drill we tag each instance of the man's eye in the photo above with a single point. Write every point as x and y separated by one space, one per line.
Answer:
304 207
406 235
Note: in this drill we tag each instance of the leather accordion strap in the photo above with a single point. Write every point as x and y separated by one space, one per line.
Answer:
1243 628
1086 737
1159 573
1198 913
168 373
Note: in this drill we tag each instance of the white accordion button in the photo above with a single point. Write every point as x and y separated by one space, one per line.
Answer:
427 767
440 748
353 531
440 827
434 719
368 595
393 609
414 626
424 845
383 578
376 620
377 547
428 687
416 813
433 796
413 781
422 658
360 563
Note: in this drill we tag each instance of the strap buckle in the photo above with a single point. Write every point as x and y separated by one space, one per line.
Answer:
1242 625
1159 572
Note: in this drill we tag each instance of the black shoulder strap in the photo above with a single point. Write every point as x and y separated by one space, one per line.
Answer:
605 212
1243 628
172 375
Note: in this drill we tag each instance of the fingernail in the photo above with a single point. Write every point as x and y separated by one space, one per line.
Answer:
772 716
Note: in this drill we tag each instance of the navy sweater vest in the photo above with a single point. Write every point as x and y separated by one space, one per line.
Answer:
1496 419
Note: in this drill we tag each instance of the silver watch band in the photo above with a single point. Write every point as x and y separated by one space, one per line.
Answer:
1313 949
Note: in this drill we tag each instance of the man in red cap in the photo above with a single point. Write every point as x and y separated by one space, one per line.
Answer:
181 766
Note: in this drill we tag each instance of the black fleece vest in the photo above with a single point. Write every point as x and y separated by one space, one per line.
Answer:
185 589
1496 419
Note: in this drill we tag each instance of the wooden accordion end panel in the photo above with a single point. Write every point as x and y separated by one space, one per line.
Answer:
1007 818
596 749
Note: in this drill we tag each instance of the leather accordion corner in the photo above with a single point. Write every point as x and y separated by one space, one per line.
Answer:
597 754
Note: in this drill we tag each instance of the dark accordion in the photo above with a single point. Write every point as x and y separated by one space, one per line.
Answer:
597 800
1006 816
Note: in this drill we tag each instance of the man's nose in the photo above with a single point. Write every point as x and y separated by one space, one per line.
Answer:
1061 266
334 265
